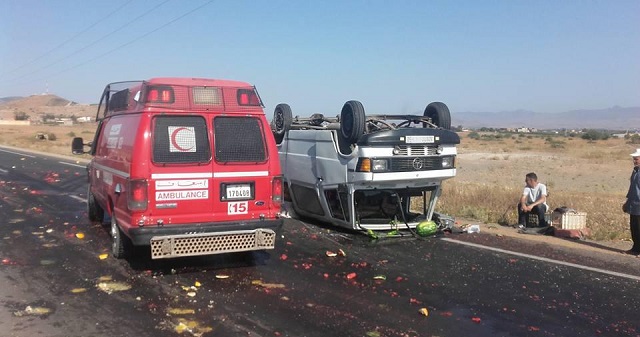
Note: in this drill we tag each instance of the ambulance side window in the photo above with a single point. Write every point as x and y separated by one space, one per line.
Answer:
180 139
96 138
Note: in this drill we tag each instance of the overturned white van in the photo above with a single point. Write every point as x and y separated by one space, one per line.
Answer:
361 172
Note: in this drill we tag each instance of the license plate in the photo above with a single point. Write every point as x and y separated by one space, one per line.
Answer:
419 139
238 191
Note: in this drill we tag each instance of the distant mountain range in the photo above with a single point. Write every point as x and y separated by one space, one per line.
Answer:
614 118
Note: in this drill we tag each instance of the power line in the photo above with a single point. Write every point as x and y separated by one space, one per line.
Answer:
66 41
89 45
131 41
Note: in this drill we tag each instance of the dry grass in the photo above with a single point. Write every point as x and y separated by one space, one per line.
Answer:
590 177
497 204
25 137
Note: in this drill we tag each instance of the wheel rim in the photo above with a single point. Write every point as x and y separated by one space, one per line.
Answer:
279 121
348 126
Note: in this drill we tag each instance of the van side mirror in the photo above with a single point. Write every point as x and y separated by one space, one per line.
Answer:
77 146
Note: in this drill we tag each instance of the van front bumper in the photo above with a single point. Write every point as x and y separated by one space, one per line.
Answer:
171 241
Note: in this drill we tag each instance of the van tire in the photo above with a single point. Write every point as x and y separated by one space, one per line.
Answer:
94 211
439 114
352 120
282 120
120 244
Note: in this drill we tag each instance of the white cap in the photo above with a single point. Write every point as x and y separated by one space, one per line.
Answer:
636 154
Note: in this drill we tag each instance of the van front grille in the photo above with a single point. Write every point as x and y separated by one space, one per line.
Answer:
415 164
211 243
417 150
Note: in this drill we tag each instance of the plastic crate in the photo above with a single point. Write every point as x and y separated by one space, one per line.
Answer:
532 219
570 220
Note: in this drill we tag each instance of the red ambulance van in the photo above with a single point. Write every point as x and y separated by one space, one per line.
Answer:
187 166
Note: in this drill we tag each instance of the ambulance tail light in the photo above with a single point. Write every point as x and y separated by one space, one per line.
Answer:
137 198
276 190
160 94
248 97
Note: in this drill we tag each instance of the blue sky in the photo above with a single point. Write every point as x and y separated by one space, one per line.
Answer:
393 56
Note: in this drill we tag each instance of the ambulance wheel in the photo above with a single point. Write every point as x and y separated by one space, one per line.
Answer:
352 120
94 211
120 244
282 119
439 114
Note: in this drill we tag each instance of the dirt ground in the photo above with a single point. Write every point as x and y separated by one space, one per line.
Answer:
615 247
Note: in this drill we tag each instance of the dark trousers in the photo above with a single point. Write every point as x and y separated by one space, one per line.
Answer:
634 222
538 210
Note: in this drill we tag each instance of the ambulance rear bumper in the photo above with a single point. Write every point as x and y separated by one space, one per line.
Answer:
172 241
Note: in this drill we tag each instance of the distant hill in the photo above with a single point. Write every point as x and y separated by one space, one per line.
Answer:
35 105
4 100
35 101
614 118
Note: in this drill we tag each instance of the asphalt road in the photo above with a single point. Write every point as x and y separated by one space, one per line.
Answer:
55 279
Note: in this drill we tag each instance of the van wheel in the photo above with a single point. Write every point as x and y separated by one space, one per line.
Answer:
439 114
282 119
352 119
120 244
94 211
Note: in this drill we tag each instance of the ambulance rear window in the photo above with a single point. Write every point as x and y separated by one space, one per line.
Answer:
239 139
180 139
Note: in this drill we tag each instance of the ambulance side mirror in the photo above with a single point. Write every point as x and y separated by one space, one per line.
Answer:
77 146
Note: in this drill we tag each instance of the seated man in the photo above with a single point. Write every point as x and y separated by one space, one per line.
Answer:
533 200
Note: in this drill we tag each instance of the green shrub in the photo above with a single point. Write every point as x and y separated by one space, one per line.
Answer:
474 135
595 135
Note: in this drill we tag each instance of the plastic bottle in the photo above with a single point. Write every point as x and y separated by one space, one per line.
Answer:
473 229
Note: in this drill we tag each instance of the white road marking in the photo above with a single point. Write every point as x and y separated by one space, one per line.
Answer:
78 198
71 164
17 153
4 171
533 257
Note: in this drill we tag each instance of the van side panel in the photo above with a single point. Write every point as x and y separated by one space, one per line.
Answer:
112 163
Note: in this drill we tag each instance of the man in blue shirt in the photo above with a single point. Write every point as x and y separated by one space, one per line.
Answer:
632 205
533 200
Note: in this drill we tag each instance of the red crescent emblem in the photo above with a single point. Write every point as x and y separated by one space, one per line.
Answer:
174 141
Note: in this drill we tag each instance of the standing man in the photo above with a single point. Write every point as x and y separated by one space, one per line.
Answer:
533 200
632 205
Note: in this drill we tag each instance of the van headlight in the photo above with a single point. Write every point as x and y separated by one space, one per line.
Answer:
378 165
372 165
448 162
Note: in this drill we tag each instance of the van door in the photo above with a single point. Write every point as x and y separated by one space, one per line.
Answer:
242 169
180 186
